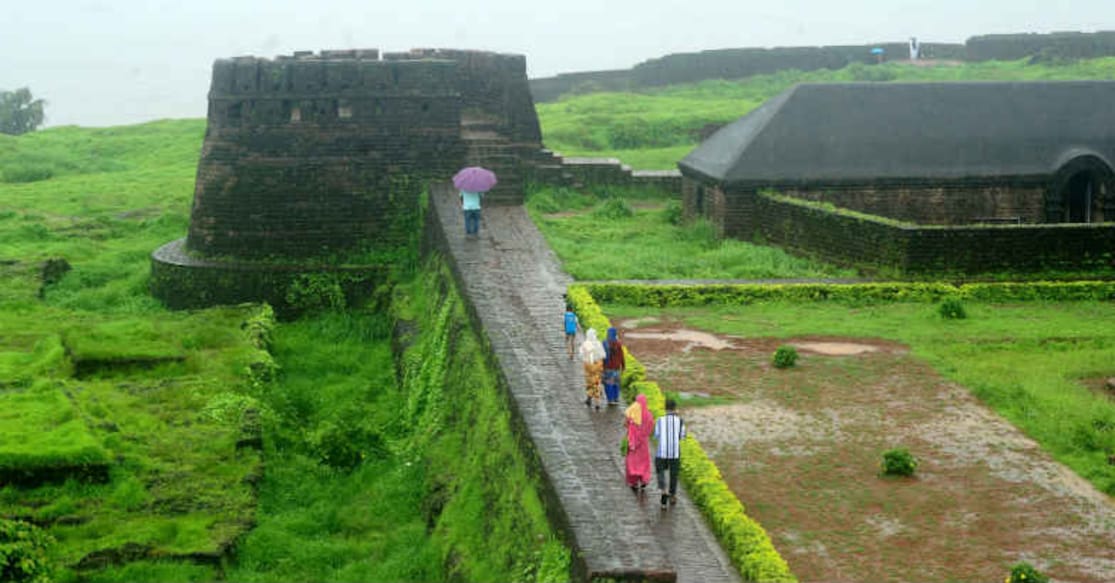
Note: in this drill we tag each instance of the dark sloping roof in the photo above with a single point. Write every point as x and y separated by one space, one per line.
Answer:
872 131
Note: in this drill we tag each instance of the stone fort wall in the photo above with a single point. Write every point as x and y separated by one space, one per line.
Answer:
314 154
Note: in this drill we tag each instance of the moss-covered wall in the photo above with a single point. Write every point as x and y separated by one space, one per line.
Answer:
484 492
852 238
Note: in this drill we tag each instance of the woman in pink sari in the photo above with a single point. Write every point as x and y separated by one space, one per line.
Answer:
640 426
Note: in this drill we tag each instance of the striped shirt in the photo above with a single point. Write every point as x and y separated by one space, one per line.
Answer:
669 430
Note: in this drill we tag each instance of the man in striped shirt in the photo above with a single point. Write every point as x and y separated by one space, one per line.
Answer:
669 430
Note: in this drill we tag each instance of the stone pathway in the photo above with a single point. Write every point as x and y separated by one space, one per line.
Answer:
514 284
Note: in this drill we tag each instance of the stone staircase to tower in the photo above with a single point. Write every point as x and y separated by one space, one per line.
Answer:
486 146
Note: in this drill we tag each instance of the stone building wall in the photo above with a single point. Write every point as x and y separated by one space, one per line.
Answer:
314 155
937 203
492 83
874 243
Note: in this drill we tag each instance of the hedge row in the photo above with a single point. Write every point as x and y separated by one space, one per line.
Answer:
854 294
745 541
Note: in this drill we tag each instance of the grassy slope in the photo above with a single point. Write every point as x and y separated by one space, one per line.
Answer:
344 496
655 128
1030 362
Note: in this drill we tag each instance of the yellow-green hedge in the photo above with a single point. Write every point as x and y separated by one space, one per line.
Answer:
745 541
859 293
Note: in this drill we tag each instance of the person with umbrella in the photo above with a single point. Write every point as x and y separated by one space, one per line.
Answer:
473 182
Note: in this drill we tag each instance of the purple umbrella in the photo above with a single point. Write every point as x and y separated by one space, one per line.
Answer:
474 179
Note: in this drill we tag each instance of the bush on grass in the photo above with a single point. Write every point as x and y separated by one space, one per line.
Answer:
1026 573
785 357
614 208
23 552
952 309
899 462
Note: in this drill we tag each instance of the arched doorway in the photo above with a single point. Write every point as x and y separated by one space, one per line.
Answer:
1078 194
1082 192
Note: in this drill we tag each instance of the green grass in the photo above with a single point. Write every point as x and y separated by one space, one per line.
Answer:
1030 362
322 522
654 128
40 429
594 244
93 368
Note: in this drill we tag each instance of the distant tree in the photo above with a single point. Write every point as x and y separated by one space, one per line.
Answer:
19 112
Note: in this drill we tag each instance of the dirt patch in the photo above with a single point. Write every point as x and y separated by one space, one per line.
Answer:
689 338
835 348
1103 386
801 449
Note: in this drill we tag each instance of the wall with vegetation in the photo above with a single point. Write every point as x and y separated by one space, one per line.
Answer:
728 64
738 63
873 242
184 281
936 202
483 490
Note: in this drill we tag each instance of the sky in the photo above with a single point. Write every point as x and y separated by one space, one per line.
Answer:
114 62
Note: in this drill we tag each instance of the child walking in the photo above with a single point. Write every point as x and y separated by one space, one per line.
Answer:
571 326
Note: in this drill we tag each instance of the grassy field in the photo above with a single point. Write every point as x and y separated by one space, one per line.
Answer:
132 435
608 234
653 129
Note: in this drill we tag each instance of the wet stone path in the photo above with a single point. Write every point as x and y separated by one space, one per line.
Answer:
514 284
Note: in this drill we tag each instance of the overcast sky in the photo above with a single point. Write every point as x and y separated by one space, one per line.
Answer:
109 62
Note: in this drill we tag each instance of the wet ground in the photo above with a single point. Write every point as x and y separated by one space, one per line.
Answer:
801 447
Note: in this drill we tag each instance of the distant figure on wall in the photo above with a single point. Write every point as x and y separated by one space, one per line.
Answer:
473 182
915 48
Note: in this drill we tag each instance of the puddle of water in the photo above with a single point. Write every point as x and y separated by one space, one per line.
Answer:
688 395
690 337
836 348
639 323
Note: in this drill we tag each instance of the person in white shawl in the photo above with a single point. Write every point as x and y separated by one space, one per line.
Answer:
592 357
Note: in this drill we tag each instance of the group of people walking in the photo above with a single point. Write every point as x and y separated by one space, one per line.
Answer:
604 363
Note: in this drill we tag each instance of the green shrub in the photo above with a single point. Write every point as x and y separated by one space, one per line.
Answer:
316 292
614 208
23 552
1026 573
899 462
671 215
952 309
543 202
785 357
